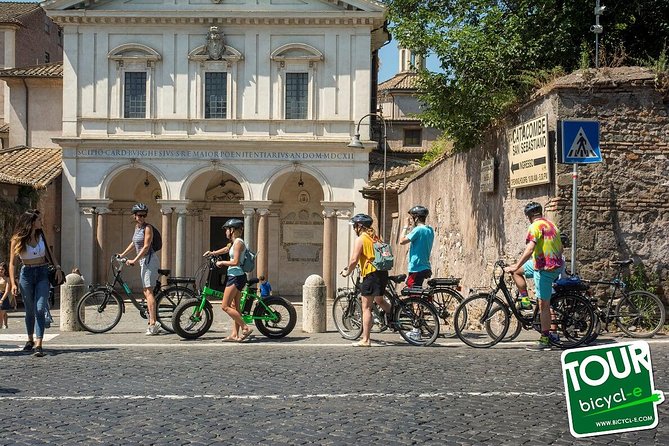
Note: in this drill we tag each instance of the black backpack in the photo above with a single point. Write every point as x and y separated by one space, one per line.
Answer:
157 241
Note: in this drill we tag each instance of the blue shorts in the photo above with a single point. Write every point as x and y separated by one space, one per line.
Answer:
543 280
236 281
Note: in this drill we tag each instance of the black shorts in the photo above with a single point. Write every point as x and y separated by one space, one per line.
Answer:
237 281
374 284
417 279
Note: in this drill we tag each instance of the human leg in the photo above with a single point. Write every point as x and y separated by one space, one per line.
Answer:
27 288
230 295
367 319
151 305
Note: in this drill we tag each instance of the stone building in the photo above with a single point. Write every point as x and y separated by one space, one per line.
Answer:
623 202
208 110
28 37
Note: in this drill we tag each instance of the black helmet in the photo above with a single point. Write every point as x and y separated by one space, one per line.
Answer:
419 211
140 207
234 223
362 219
532 209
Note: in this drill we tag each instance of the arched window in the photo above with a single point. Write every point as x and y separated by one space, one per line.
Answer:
295 82
134 85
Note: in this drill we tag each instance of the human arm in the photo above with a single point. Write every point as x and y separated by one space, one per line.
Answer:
236 252
218 252
148 238
127 250
406 230
355 255
12 268
525 256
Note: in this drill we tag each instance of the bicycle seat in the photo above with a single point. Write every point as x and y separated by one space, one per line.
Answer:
252 282
177 280
164 272
397 279
414 291
444 281
623 262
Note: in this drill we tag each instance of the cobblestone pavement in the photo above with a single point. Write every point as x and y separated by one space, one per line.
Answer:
124 388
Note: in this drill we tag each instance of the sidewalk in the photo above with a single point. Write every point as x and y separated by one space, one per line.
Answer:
131 328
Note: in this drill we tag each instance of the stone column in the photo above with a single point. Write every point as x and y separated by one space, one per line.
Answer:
101 256
329 250
166 232
181 241
249 227
263 245
88 242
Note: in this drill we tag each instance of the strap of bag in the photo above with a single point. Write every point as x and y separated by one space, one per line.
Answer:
49 257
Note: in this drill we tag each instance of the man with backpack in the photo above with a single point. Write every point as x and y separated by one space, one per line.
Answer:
374 265
421 237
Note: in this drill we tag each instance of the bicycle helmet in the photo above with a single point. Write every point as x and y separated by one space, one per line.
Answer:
532 209
362 219
419 211
140 207
234 223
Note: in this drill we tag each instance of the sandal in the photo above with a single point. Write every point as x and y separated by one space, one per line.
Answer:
245 334
361 344
29 346
230 339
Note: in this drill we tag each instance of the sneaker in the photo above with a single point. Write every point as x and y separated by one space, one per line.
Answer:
149 330
157 329
38 353
541 345
29 346
414 334
553 338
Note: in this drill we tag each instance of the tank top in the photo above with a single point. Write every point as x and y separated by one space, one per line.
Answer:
237 270
367 255
34 252
138 241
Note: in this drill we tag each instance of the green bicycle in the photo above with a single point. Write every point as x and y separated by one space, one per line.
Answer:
274 316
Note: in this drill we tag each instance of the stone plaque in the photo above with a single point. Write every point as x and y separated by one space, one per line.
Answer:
488 175
296 233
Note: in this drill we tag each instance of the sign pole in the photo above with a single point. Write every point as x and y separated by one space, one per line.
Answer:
574 209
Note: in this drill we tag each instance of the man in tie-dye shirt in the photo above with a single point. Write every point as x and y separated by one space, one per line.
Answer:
544 246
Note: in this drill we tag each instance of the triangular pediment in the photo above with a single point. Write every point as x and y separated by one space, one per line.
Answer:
216 6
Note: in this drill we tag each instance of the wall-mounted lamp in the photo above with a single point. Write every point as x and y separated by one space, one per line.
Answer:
300 183
146 180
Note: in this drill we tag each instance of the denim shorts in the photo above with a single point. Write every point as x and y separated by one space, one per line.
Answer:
543 280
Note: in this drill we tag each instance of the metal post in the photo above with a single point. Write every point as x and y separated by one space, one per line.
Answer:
385 151
574 210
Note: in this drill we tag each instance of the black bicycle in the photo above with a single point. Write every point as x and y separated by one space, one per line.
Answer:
444 294
639 314
415 318
483 319
100 309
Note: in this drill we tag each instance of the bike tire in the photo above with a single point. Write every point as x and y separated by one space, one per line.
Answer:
640 314
446 301
191 325
515 327
575 319
472 316
284 313
167 301
99 311
347 316
595 331
417 313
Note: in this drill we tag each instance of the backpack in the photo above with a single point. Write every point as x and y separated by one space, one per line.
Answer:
249 261
383 256
157 241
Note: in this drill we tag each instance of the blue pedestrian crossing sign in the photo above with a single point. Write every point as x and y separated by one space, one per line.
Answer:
580 142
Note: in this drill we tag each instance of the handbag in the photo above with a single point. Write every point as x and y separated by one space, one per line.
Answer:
56 276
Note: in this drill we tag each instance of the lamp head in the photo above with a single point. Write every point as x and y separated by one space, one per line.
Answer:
355 142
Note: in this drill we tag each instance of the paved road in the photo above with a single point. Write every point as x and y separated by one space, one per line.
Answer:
302 390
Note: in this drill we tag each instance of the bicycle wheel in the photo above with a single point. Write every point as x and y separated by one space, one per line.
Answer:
278 321
189 323
575 318
417 321
475 314
595 331
99 311
640 314
347 316
167 300
493 327
446 301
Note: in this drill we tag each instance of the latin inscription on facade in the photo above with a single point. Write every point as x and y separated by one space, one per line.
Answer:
213 155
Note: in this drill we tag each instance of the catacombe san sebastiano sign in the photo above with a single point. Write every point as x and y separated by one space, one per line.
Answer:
528 153
488 175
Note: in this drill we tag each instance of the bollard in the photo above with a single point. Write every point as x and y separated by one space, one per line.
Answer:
314 313
70 293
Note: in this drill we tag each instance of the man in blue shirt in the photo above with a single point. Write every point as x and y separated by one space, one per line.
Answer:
421 237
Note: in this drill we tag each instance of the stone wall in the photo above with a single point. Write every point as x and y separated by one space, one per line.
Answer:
623 201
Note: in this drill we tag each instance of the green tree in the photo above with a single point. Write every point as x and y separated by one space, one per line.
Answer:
493 52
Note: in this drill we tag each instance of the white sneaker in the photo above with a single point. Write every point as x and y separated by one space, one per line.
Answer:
157 329
415 334
149 330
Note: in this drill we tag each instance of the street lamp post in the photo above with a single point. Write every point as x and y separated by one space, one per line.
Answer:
357 144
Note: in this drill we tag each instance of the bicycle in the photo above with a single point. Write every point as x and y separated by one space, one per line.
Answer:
444 294
415 319
100 309
639 314
274 316
483 319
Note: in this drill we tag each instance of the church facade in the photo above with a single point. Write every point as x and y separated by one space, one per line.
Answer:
212 109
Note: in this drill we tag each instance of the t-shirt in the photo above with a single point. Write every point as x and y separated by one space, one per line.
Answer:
367 255
265 289
422 238
547 254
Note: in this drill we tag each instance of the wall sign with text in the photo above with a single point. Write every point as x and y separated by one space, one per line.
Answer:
528 153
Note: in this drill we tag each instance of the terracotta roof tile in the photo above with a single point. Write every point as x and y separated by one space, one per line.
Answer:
30 166
54 69
401 81
11 12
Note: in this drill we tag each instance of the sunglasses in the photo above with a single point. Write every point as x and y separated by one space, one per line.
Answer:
141 215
